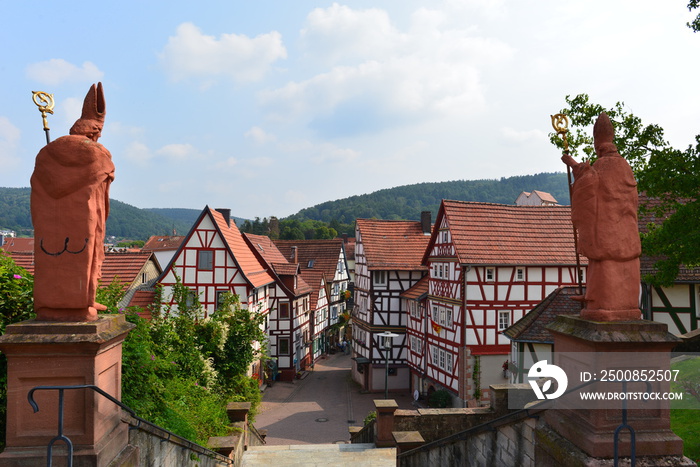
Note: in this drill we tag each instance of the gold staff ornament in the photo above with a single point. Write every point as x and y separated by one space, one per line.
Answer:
45 103
560 123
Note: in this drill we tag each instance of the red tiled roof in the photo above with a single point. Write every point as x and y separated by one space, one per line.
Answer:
396 245
124 266
486 233
350 248
18 244
544 196
316 279
143 299
253 269
24 260
163 242
324 253
533 326
418 290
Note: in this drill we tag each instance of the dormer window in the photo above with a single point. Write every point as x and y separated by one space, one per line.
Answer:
311 263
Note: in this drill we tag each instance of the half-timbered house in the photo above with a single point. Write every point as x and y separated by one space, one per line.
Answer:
387 263
324 267
215 259
489 264
676 305
290 297
531 341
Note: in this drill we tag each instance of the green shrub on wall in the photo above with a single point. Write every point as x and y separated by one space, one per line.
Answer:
440 399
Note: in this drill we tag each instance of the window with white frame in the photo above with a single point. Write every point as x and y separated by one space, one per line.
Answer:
448 317
503 320
436 352
379 277
444 236
442 359
440 275
448 362
490 274
519 274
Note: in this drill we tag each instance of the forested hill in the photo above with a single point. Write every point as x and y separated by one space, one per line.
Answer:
125 221
407 202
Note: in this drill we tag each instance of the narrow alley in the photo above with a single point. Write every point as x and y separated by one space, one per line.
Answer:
320 407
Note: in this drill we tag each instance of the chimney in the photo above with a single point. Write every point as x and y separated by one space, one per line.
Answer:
425 222
295 258
345 238
226 213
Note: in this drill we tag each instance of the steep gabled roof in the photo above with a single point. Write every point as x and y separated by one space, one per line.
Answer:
125 266
267 250
252 267
544 196
317 280
533 326
487 233
393 245
163 242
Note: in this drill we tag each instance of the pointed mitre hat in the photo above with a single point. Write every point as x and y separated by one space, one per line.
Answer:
603 134
94 104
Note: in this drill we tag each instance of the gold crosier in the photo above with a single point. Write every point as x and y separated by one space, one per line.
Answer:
45 103
560 123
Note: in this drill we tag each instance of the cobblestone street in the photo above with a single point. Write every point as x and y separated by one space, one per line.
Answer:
320 407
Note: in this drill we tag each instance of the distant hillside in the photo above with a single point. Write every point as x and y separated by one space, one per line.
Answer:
407 202
125 221
188 216
404 202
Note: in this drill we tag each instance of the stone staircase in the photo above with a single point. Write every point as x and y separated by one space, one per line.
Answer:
317 455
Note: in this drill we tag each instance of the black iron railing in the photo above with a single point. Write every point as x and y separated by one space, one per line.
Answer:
532 412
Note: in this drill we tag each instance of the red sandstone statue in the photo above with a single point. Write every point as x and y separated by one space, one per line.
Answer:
604 212
70 205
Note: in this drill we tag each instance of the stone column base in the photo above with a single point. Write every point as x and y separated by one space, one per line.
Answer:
41 353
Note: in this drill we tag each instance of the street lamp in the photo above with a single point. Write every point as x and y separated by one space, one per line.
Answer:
387 348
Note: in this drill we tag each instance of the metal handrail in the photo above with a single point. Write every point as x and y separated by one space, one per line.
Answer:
531 412
60 436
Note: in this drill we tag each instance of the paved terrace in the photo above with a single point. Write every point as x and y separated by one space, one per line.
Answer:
319 408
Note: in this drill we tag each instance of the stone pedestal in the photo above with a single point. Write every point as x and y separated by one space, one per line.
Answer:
587 346
385 422
64 354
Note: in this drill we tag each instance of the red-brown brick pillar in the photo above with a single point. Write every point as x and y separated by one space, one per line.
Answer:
64 354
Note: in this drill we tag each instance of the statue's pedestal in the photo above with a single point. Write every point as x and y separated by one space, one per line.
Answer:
64 354
584 347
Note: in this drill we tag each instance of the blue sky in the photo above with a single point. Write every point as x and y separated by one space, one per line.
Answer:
268 107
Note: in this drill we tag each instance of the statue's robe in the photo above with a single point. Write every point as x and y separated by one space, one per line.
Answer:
70 205
604 212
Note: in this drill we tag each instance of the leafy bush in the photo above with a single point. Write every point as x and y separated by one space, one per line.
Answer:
16 304
440 399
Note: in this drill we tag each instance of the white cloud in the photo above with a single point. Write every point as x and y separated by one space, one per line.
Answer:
383 77
523 136
9 138
238 57
260 136
178 152
58 71
138 153
70 110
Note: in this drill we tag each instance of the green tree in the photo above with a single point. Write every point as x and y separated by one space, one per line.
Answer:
664 173
695 25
